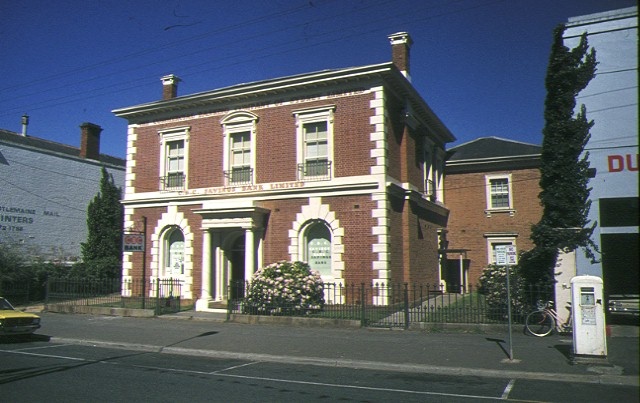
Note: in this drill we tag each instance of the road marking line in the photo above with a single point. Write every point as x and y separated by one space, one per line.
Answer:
507 389
43 355
234 367
42 347
335 385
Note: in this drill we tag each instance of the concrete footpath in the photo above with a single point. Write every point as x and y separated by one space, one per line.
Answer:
458 352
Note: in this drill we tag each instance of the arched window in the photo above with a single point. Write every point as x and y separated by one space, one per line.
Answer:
318 247
174 253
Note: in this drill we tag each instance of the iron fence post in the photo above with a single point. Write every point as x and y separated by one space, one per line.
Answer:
229 302
46 292
363 307
157 296
406 306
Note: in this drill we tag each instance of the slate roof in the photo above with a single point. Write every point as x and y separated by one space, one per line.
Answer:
492 153
492 147
52 147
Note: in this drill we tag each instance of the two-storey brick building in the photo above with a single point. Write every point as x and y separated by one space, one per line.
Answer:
492 187
340 168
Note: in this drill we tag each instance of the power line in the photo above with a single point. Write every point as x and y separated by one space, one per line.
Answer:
158 48
43 198
132 84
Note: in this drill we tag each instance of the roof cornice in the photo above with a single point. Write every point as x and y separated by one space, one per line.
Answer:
491 163
253 90
386 73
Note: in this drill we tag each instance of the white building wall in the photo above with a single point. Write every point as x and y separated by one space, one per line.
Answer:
611 99
44 200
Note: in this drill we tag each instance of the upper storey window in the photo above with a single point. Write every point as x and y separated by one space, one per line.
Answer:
173 165
433 157
499 193
315 139
239 148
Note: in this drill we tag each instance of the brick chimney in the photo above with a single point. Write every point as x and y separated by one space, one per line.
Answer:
400 44
90 141
170 86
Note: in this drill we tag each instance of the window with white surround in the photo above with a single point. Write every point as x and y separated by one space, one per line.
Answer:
173 251
239 148
495 241
174 157
317 241
499 193
315 138
429 169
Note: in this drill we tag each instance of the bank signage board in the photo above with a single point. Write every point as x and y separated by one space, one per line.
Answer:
133 242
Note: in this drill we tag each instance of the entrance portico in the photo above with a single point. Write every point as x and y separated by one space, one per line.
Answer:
232 249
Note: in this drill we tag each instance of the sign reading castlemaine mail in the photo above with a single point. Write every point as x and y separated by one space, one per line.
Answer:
133 242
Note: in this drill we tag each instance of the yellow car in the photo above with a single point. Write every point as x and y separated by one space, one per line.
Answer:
13 322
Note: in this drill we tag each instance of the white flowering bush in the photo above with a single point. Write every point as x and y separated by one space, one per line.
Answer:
284 288
493 285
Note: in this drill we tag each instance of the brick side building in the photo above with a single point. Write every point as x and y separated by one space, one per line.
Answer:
340 168
492 187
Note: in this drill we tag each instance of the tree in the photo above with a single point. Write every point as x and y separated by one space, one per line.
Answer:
102 254
564 166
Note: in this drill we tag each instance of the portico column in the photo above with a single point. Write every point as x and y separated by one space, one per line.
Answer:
205 292
220 279
249 253
259 260
206 265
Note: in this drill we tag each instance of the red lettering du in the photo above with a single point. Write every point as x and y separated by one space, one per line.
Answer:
618 163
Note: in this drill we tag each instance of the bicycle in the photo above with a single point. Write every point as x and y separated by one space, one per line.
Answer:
545 319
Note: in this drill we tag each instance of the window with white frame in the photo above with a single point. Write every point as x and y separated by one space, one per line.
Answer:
239 148
318 247
429 182
493 242
499 194
315 138
173 161
173 247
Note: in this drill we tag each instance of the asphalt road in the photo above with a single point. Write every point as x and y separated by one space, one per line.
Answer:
84 358
38 370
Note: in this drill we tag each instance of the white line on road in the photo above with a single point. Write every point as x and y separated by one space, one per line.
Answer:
62 357
507 390
234 367
42 347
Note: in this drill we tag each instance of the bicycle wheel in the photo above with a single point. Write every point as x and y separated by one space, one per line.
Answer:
539 323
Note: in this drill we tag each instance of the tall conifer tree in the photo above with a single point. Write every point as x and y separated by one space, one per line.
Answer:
102 253
564 170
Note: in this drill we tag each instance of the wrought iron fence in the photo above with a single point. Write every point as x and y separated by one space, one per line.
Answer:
161 295
399 305
18 292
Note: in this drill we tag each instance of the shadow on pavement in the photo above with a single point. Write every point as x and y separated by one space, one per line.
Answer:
23 338
500 344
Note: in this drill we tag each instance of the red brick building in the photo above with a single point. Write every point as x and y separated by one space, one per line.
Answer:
340 168
492 187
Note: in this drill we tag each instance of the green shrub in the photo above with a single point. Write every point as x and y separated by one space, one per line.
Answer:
493 285
284 287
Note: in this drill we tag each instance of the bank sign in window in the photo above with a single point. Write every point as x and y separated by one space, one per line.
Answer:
320 255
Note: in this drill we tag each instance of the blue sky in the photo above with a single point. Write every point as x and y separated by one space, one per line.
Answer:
479 64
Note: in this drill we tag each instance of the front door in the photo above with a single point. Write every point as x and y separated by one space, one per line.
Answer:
236 260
